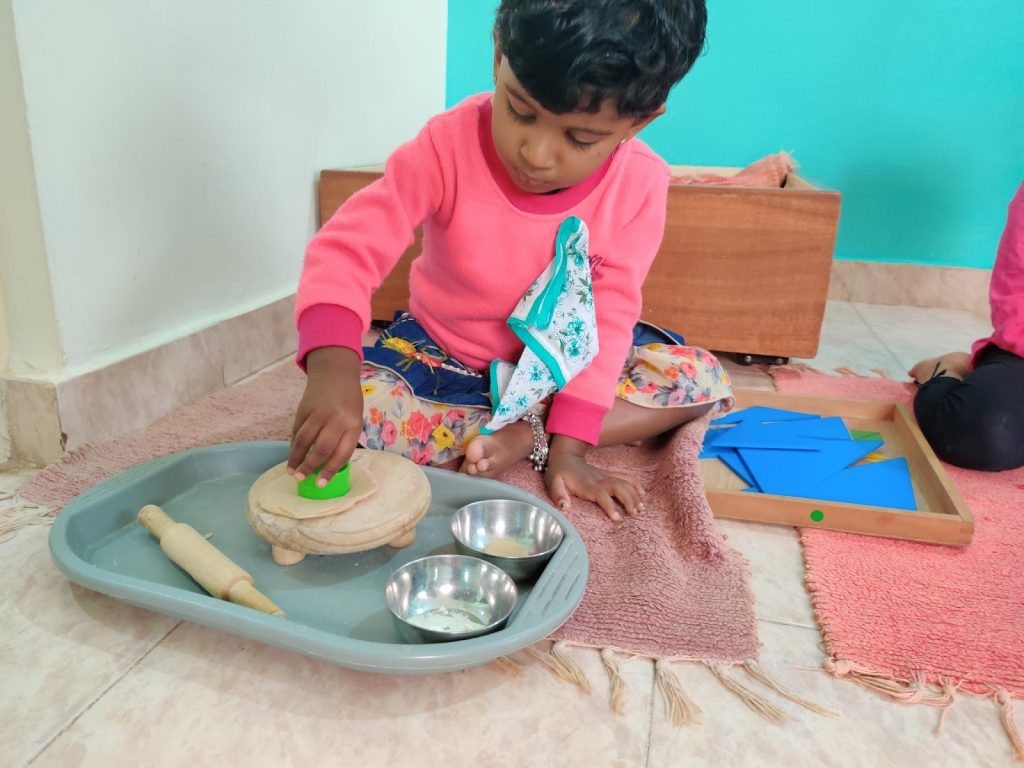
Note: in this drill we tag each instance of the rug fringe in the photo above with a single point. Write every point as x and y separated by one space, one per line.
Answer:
949 689
844 370
762 676
758 704
22 514
510 665
1002 697
918 691
618 688
561 664
559 653
914 691
841 370
791 367
679 708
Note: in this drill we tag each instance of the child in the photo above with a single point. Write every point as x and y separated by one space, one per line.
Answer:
495 183
971 407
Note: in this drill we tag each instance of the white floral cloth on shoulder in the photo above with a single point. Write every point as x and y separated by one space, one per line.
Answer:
556 322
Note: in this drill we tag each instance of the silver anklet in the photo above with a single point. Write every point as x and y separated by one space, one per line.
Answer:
539 455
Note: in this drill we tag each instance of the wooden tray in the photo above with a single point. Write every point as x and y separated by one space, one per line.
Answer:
941 517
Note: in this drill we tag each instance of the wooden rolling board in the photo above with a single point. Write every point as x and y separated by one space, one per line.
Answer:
388 516
942 516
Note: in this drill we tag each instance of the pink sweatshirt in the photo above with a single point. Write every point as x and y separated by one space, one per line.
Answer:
484 242
1006 291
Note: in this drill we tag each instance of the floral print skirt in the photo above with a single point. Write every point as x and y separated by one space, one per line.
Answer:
426 406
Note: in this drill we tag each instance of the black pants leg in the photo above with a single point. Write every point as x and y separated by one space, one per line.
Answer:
977 423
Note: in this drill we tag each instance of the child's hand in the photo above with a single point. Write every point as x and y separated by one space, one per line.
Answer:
329 419
568 474
955 364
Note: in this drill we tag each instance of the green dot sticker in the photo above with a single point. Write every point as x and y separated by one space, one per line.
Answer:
817 515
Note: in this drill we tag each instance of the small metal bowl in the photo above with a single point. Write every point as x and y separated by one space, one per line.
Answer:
516 536
449 597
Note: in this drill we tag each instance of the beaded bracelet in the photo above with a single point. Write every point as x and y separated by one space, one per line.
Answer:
539 455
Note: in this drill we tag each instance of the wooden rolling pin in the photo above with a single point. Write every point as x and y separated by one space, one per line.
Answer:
215 572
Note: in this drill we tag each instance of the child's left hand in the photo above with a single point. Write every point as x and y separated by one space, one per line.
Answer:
568 474
954 364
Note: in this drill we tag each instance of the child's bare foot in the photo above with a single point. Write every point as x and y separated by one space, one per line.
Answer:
955 364
491 455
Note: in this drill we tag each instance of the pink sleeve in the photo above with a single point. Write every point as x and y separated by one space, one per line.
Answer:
355 250
1006 291
577 411
576 418
328 325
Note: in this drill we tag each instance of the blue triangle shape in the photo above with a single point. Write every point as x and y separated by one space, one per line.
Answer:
763 413
786 435
798 473
880 484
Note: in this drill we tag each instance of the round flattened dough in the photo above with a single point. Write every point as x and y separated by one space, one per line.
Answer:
278 495
400 502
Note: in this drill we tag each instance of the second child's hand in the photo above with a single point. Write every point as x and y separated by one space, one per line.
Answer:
329 418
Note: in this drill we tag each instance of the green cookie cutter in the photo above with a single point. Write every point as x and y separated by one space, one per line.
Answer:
336 487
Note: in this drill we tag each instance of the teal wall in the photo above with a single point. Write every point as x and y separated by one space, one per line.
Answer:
913 109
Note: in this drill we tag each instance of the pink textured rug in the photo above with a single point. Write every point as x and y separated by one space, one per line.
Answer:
662 585
917 621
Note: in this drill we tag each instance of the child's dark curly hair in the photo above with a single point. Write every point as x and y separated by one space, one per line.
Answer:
574 54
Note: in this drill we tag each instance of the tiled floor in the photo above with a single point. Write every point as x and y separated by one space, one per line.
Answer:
89 681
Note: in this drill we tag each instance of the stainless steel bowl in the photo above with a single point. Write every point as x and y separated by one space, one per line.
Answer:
449 597
516 536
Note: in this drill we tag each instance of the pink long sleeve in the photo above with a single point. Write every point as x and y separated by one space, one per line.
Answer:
484 243
1006 291
355 250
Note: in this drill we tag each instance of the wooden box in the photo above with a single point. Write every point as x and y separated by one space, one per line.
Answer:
741 269
941 517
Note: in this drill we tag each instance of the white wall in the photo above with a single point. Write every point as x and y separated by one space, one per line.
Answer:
176 144
28 330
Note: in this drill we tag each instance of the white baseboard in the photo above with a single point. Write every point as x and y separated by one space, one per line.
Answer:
46 418
914 285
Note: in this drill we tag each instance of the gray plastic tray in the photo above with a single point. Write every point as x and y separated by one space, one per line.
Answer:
335 604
